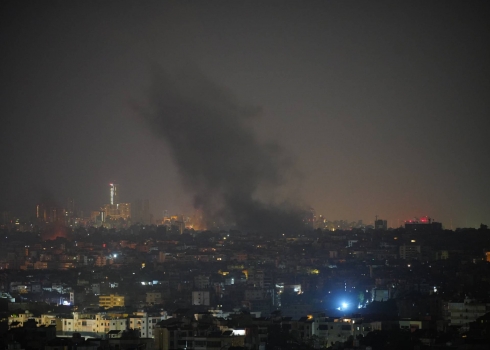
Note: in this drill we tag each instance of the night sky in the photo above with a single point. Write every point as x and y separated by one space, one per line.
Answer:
370 107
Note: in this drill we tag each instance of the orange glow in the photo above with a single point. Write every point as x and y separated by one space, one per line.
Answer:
50 234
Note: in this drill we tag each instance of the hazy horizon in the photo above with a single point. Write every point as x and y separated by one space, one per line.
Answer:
372 108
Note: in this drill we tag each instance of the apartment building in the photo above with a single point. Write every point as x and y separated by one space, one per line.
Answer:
111 300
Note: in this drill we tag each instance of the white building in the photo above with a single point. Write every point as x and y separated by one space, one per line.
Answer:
18 320
95 323
461 314
332 330
144 323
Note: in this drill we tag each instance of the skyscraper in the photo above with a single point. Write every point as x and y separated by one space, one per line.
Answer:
50 213
115 210
114 194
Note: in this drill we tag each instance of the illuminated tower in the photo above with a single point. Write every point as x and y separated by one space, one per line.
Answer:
114 194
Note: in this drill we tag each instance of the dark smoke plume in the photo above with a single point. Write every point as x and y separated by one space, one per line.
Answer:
220 160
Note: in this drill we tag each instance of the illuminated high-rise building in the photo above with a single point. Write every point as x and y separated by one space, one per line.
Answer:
115 210
50 213
124 210
114 194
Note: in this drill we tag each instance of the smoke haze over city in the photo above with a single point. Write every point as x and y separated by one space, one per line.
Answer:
217 153
254 175
356 108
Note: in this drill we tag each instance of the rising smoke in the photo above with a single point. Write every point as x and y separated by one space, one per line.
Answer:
221 162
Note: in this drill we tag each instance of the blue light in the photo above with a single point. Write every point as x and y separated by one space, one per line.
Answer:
344 305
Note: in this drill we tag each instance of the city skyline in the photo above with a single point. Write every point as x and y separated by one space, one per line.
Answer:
137 211
371 108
